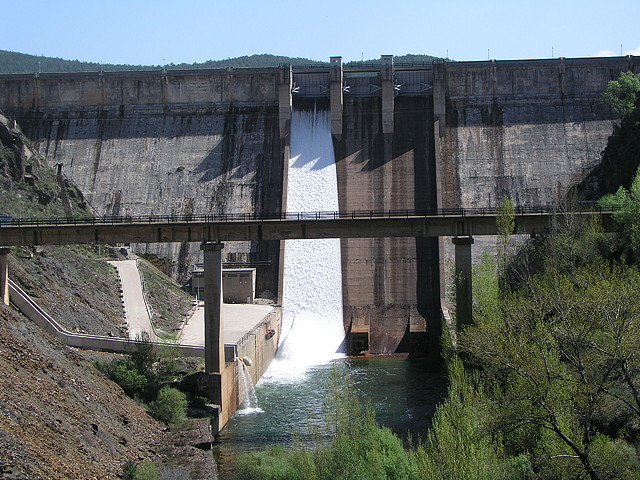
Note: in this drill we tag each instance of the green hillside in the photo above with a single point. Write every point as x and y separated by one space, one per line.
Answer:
13 62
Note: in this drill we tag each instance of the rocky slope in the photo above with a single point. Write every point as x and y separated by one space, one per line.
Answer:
60 418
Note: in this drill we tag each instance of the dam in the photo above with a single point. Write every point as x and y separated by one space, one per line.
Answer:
441 136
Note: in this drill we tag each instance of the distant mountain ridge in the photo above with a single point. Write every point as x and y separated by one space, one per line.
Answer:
14 62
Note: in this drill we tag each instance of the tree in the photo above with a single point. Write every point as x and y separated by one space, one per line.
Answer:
627 215
564 357
460 445
621 94
505 224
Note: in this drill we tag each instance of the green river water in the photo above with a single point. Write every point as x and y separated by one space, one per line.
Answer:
403 392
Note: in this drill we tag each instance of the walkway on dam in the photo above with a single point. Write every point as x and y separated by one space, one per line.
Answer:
135 307
239 320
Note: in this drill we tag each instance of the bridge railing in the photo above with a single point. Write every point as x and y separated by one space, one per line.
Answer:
6 221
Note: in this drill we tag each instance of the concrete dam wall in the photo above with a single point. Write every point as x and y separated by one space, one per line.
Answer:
526 129
436 136
529 130
157 144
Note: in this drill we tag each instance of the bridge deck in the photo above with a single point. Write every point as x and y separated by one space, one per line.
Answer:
303 225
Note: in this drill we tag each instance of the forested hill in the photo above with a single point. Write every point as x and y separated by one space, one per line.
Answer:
13 62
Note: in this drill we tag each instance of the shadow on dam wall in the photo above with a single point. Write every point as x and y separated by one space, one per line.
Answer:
390 286
172 161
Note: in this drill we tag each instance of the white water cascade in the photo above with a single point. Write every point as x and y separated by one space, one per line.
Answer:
247 391
312 326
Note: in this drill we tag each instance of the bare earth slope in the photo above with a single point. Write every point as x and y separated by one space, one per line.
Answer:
61 419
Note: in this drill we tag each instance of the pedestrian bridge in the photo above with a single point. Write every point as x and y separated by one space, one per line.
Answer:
217 228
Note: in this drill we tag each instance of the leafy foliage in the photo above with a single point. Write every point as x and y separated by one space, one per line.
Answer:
141 471
505 224
461 445
621 157
563 357
627 217
170 406
142 374
621 94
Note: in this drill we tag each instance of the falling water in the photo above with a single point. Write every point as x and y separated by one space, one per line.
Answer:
312 268
247 391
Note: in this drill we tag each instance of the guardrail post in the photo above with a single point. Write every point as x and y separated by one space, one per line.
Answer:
4 274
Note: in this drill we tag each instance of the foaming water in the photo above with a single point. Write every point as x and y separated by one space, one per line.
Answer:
312 287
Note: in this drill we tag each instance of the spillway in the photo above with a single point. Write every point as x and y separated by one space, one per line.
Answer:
312 285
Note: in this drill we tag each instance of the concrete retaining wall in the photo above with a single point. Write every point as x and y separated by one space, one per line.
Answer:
88 342
261 349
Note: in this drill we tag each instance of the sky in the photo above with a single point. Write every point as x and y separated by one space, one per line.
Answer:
157 32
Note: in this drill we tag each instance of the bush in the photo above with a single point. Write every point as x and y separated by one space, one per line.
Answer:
170 406
140 471
275 463
125 373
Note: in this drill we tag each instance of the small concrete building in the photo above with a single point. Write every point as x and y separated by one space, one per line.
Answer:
238 284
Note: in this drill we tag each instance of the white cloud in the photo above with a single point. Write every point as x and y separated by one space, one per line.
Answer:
609 53
635 51
604 53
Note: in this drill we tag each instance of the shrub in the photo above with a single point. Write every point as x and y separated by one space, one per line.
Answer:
125 373
170 406
276 463
129 378
140 471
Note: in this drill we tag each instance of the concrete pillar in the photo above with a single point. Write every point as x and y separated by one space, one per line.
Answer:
336 82
386 77
285 100
4 274
213 327
464 292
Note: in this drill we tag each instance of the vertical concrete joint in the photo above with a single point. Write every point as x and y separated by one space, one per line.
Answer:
213 326
388 93
336 100
4 274
285 100
439 97
464 292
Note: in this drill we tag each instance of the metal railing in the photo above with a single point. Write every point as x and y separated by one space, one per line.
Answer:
298 216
